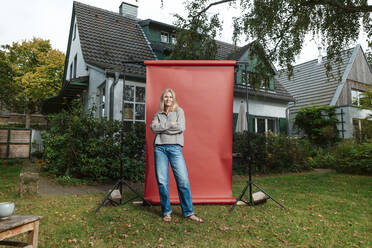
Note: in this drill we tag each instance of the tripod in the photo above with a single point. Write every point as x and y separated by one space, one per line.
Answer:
250 182
121 181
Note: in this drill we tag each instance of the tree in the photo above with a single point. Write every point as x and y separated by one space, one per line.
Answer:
319 124
281 26
366 103
6 78
196 36
37 73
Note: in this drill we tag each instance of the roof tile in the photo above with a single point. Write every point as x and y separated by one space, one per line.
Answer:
108 38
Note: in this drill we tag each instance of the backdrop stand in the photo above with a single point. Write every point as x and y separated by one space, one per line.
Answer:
121 181
250 181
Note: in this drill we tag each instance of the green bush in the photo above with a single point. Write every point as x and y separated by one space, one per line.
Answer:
78 145
351 157
268 154
347 156
319 124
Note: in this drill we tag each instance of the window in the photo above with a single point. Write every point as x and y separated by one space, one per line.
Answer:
134 103
263 125
74 32
102 100
260 125
244 77
164 37
75 65
173 39
71 67
356 97
362 129
259 81
271 125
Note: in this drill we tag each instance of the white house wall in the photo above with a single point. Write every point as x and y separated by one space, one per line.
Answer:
75 49
261 108
118 95
96 78
351 113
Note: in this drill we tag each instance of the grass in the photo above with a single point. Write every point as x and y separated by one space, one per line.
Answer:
325 210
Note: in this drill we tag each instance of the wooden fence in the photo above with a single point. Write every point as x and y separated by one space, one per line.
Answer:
15 142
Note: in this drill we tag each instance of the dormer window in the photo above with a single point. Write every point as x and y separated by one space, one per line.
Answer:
164 37
173 39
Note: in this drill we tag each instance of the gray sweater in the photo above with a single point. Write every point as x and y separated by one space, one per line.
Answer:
166 132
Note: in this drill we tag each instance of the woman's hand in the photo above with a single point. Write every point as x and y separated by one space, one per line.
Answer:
174 123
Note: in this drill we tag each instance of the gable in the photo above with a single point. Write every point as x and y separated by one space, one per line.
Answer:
360 70
310 84
74 58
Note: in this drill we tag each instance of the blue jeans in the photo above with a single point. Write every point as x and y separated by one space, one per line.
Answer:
173 154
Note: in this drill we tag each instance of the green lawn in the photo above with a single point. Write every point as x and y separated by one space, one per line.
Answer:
325 210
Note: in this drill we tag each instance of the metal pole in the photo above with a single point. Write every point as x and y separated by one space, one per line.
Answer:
122 136
249 148
250 183
342 123
8 144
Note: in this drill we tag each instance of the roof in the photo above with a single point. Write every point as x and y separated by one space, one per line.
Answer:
147 22
224 49
310 84
107 38
280 93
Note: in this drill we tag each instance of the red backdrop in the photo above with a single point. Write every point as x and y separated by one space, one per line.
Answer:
204 91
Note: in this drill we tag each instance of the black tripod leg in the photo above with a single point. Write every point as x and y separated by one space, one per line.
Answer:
108 195
240 197
269 196
138 195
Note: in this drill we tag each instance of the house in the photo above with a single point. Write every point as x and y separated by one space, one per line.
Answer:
342 87
100 40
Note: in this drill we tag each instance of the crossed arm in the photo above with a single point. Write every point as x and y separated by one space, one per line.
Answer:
169 127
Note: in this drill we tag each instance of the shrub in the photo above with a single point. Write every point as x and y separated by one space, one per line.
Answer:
78 145
354 158
319 124
268 153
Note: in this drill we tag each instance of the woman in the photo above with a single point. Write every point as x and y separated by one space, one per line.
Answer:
168 126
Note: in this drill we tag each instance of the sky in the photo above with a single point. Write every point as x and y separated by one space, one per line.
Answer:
50 19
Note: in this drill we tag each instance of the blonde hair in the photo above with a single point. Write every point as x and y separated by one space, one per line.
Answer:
175 103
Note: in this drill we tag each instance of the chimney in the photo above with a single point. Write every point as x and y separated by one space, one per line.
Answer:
320 55
128 10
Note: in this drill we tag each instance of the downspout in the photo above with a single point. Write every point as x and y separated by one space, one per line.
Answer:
287 117
112 87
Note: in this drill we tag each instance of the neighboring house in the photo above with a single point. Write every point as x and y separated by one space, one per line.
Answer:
100 40
342 87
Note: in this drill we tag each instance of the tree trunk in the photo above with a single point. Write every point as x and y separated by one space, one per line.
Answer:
28 119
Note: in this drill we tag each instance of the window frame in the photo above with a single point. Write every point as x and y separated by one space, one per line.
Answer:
358 96
102 108
164 34
266 127
74 36
135 102
75 66
173 39
71 69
